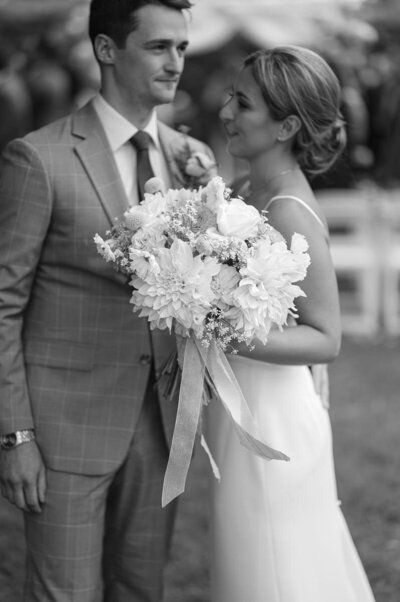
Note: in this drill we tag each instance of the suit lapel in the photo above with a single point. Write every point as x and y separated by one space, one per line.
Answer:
172 142
98 161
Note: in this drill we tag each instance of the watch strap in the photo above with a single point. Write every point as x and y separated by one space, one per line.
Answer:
24 436
12 440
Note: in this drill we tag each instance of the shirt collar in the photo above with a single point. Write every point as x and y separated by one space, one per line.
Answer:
118 129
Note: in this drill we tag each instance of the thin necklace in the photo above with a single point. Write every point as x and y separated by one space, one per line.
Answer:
281 173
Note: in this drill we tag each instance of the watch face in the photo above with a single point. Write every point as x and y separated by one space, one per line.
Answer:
8 441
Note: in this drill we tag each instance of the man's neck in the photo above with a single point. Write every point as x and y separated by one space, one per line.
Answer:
138 115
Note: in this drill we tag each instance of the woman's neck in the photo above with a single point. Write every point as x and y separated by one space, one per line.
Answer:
269 167
271 181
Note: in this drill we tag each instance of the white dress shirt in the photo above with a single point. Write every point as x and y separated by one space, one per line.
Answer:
118 131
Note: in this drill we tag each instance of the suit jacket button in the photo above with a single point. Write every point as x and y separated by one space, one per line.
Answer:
145 359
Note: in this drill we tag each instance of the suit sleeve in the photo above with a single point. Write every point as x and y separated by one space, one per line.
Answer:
25 211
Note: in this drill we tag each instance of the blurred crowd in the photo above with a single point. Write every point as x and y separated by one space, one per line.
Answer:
47 68
46 62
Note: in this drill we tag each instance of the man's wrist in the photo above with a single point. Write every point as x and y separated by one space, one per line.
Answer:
12 440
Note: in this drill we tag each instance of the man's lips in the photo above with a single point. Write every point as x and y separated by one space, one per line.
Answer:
173 80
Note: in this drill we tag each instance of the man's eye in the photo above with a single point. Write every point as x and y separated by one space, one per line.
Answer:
157 48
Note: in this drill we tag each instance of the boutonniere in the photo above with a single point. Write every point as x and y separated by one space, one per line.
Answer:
196 168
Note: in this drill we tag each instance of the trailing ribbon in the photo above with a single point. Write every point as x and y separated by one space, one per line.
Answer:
200 363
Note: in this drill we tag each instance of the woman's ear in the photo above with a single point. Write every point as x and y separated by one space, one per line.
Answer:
104 49
289 128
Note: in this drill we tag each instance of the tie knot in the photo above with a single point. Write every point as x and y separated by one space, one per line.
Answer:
141 140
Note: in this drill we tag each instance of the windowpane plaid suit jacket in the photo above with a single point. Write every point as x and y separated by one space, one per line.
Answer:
74 358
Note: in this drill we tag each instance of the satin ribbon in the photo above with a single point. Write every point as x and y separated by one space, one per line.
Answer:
210 364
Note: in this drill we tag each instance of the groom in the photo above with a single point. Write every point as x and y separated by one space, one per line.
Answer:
84 435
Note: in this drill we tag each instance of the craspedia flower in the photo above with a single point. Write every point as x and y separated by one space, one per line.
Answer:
203 246
154 185
134 218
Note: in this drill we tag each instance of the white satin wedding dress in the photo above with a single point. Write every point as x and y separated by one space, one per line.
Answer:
277 530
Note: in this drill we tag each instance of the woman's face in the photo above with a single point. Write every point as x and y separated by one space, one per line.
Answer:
249 127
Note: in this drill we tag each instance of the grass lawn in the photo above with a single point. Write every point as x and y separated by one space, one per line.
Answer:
365 413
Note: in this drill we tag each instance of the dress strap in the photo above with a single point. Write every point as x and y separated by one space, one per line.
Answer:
303 203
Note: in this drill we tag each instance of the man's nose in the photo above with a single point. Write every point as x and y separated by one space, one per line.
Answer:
175 61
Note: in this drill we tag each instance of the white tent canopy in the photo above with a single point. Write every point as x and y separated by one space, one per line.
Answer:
273 22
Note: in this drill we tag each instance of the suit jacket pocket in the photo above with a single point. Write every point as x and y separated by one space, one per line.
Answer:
59 354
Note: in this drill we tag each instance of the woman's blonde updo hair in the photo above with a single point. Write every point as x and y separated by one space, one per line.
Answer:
297 81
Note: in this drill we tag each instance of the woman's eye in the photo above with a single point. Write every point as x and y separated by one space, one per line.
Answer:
243 104
242 101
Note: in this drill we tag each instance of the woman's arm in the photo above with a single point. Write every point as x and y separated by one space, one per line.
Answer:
316 338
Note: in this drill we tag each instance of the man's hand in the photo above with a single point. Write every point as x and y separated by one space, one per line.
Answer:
23 477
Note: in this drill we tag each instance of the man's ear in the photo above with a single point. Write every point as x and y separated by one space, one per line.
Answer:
104 49
289 128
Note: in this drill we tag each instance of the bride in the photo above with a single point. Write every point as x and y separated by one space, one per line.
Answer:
278 534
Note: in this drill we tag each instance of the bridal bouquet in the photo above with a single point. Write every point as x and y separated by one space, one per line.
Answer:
212 269
206 264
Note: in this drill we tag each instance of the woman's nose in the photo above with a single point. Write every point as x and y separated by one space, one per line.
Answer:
225 113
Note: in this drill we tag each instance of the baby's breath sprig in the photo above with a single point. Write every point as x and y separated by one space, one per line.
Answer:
218 329
234 253
120 240
182 221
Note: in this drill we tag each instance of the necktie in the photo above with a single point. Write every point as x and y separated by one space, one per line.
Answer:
141 141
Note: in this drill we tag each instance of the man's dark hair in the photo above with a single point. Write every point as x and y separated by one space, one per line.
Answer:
117 18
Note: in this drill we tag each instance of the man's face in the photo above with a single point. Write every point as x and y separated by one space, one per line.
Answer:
148 69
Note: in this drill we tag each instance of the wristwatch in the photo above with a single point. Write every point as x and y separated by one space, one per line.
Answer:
12 440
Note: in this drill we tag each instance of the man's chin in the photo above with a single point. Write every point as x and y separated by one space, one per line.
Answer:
166 98
167 93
